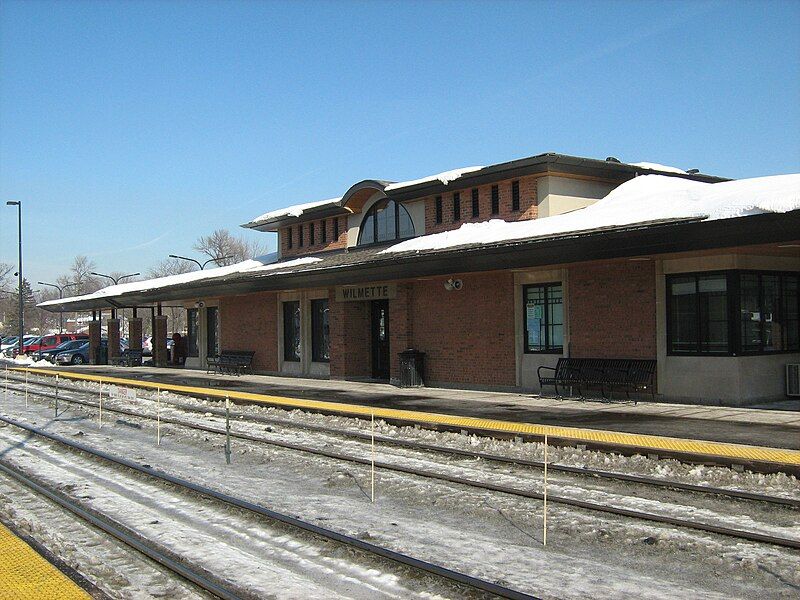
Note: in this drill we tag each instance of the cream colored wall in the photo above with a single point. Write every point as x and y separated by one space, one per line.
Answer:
527 364
729 380
557 195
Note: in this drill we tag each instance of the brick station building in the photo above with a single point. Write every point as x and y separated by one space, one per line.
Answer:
494 271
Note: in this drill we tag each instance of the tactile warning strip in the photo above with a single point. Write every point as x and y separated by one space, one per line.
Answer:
25 574
652 443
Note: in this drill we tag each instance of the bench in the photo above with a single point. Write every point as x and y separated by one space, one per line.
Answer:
128 358
625 374
234 362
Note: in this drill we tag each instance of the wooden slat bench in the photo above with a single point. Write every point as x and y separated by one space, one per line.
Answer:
234 362
623 374
128 358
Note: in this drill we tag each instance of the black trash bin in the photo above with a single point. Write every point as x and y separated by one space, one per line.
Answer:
102 355
412 368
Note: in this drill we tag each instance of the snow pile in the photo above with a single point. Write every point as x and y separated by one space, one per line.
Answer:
292 211
641 200
445 177
255 266
27 361
657 167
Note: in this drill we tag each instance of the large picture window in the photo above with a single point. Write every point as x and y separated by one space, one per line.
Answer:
192 315
543 315
732 312
320 331
385 221
291 331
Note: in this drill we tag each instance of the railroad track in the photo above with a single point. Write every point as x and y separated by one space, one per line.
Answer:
569 501
206 580
422 446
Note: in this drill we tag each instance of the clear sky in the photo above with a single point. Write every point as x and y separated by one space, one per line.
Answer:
128 129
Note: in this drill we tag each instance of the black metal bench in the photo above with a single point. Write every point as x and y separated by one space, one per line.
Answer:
128 358
234 362
623 374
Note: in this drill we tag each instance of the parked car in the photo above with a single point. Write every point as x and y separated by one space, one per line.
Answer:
46 342
11 342
80 355
26 344
50 354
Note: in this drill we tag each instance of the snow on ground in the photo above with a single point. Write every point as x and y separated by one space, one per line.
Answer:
255 266
645 199
445 177
296 210
588 555
26 361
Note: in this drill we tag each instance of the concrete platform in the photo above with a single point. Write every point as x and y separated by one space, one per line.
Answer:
751 426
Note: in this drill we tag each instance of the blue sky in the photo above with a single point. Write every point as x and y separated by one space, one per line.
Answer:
128 129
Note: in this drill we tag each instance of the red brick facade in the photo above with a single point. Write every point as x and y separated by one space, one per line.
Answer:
528 205
350 338
250 323
612 310
318 246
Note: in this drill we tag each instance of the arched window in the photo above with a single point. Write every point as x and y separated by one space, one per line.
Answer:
385 221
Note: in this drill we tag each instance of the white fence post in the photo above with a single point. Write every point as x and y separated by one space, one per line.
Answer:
227 430
101 404
372 479
26 389
158 415
56 414
544 515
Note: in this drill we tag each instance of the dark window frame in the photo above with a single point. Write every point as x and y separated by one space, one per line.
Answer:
373 212
515 195
300 235
311 233
495 199
437 207
456 207
733 288
548 349
324 231
318 333
336 229
289 243
476 203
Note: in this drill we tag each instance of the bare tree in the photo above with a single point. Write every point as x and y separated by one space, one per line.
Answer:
229 249
171 266
81 274
5 269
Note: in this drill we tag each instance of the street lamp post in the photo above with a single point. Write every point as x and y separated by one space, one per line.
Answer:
18 204
60 289
197 262
116 281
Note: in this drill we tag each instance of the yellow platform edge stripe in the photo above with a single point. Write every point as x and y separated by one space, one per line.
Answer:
654 443
26 574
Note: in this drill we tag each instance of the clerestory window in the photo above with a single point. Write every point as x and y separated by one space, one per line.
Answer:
385 221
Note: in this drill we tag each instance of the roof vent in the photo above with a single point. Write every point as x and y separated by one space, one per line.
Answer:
693 171
613 159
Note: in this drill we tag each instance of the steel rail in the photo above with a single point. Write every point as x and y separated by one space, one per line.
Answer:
123 534
398 557
592 506
584 471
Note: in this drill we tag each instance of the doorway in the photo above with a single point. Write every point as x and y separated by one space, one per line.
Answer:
379 334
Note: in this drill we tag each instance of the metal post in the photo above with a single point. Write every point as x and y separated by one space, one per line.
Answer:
372 481
101 404
18 204
158 415
26 389
227 430
6 394
56 415
544 508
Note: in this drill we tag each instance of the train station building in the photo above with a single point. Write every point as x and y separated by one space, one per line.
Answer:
494 271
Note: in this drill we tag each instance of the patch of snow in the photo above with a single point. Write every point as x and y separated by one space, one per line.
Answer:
255 266
296 210
445 177
641 200
657 167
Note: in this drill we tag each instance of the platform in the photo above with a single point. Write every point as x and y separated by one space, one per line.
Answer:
26 574
747 435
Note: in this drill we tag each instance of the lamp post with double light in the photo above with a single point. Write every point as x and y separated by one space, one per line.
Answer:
60 289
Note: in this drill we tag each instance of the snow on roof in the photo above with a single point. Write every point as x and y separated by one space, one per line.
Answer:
262 264
657 167
292 211
445 177
643 199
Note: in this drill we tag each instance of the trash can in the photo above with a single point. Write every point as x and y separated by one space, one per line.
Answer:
412 368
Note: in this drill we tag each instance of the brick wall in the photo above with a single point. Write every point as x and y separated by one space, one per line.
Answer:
249 322
612 310
318 245
527 205
467 335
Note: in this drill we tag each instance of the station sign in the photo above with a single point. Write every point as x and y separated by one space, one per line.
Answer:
122 393
360 293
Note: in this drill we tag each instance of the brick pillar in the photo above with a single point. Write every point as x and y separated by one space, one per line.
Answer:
400 327
160 341
350 343
135 333
113 339
94 342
